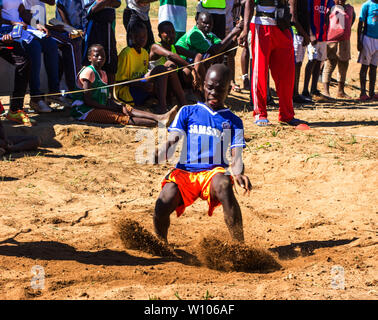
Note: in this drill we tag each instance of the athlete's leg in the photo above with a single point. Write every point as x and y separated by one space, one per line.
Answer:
169 199
221 189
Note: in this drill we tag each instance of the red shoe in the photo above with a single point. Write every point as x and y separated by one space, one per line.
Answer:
1 109
364 97
20 117
375 97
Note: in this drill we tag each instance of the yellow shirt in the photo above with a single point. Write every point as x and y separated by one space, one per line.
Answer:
131 65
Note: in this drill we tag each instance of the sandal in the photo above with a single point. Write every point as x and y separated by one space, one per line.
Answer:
236 88
262 122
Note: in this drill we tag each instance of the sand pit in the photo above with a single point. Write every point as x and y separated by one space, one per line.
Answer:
135 237
313 205
230 256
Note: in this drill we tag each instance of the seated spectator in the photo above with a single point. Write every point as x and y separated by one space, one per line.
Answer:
167 54
71 13
95 105
9 144
133 64
200 38
174 11
100 29
137 11
217 9
14 53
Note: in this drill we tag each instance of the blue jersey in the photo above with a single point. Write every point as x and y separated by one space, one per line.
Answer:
369 13
208 134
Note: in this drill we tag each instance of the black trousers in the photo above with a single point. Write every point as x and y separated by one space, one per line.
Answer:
130 17
17 57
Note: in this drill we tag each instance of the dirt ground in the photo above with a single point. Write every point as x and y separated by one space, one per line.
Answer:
313 206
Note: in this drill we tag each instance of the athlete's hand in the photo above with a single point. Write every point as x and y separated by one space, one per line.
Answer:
244 182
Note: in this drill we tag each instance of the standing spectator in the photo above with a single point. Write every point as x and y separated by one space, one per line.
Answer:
301 38
175 12
367 33
338 52
19 12
232 19
72 13
138 11
101 30
317 49
14 53
272 47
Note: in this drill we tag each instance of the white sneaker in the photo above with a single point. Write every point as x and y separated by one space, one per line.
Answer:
40 106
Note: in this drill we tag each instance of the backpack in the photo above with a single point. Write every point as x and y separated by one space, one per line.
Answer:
337 23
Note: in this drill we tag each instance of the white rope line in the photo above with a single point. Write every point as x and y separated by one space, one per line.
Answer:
129 81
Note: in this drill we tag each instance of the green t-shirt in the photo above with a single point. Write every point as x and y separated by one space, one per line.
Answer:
196 40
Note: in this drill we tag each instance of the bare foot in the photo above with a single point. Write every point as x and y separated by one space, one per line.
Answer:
167 118
343 95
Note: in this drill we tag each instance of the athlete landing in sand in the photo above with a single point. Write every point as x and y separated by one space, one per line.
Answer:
208 130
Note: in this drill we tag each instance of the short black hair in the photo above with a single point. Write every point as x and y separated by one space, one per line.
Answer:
203 13
90 49
165 24
136 27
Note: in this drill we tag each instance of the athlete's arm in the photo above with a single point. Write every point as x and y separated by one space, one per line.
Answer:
237 169
166 151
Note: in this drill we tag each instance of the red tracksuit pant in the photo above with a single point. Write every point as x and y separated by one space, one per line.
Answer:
272 49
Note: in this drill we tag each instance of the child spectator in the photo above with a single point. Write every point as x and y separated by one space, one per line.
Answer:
317 49
9 144
210 132
133 64
367 45
100 29
338 52
167 54
72 13
137 11
175 12
95 105
14 53
200 38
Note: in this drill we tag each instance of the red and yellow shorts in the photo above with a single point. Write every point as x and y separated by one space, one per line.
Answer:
193 185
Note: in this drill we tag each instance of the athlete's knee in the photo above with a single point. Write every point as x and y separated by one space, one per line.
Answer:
222 184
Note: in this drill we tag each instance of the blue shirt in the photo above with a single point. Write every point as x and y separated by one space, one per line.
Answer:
75 12
369 13
208 134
